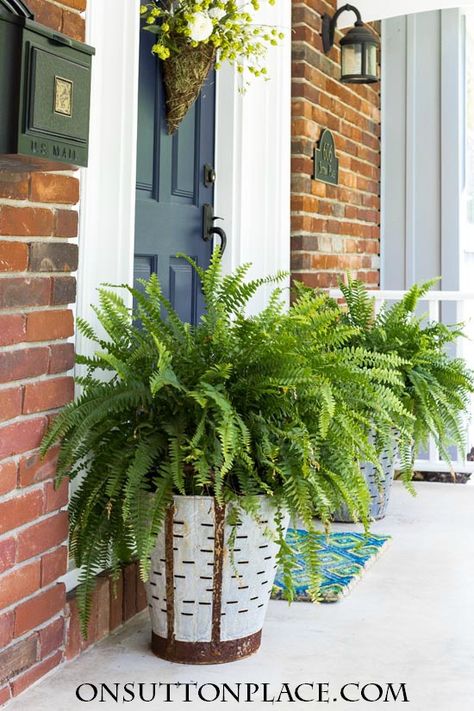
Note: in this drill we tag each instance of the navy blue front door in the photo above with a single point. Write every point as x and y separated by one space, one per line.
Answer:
171 187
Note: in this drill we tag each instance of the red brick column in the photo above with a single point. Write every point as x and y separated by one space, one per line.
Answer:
334 228
38 221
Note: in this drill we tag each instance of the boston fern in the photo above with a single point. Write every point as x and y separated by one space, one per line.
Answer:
436 387
278 404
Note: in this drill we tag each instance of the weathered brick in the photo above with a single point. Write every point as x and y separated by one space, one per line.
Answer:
56 498
20 509
319 280
61 358
75 4
14 186
47 394
24 291
28 678
116 602
39 608
73 25
12 329
26 221
42 536
13 256
53 565
141 593
5 694
63 290
6 628
8 476
73 630
46 13
102 606
51 637
53 187
21 437
49 325
53 257
67 222
19 583
23 363
34 468
7 553
18 657
10 404
129 591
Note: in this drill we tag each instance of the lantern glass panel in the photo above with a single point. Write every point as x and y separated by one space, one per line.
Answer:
351 59
371 60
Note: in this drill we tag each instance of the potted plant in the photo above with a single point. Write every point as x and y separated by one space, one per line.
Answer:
202 440
191 38
436 387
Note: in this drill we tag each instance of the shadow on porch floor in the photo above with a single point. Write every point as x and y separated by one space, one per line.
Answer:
410 619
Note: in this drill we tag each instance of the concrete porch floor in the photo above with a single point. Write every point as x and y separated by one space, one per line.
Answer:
410 619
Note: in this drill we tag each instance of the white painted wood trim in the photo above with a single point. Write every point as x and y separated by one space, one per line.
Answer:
452 148
106 239
410 151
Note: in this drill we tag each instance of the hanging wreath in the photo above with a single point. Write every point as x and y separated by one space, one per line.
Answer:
192 37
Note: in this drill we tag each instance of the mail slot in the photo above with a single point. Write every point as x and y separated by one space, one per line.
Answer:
45 86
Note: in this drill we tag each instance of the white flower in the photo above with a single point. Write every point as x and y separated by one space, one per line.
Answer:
217 13
200 27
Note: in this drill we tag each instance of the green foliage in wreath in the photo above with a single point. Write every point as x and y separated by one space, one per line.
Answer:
226 25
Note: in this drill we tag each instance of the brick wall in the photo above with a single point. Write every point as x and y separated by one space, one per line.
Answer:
334 228
38 224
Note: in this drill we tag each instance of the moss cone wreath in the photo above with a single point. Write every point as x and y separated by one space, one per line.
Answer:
184 74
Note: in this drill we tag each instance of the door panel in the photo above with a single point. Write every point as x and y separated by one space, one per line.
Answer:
170 187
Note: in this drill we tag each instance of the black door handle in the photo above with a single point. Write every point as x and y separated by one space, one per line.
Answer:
220 233
209 229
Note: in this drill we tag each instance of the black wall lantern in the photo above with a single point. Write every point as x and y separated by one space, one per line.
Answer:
358 48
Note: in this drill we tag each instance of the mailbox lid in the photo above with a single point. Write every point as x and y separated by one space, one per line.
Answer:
16 12
57 38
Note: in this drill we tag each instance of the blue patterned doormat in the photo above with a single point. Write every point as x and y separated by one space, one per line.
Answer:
344 556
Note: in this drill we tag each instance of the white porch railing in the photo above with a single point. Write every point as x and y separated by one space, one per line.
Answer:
450 307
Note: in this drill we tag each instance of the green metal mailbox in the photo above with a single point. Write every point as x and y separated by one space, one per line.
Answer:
45 84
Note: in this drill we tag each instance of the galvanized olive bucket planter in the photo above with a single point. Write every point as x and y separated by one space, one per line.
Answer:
379 490
207 606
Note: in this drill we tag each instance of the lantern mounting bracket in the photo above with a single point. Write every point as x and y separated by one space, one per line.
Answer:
17 7
330 24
